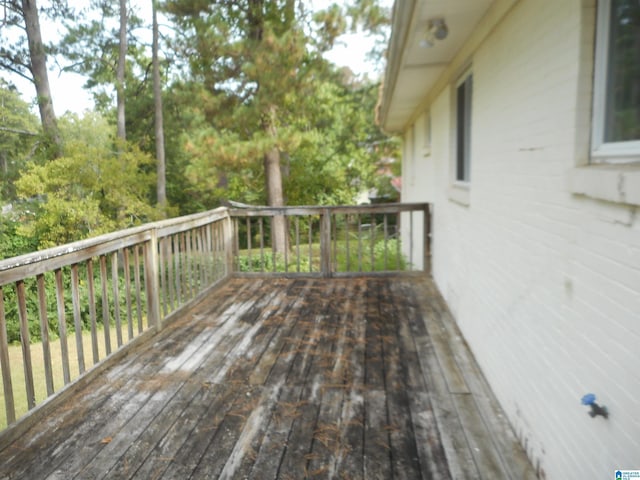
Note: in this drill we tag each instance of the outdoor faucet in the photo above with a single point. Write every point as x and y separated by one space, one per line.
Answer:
590 399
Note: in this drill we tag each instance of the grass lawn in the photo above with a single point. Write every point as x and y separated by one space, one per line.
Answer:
386 256
37 362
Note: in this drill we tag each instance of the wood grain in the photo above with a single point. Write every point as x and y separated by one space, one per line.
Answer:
358 378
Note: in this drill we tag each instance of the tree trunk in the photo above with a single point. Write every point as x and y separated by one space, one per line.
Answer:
38 60
273 178
120 73
272 172
159 121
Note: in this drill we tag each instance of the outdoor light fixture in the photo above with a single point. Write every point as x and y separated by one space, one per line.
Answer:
436 30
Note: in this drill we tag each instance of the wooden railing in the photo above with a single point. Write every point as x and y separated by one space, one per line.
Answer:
84 301
65 310
333 241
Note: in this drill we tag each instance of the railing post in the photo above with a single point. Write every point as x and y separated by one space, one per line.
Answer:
151 273
427 238
325 243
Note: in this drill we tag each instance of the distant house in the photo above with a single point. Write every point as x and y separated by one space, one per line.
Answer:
521 125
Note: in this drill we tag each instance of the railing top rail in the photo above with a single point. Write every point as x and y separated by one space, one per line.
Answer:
15 268
252 211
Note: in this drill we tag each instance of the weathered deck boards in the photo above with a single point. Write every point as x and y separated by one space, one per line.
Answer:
363 378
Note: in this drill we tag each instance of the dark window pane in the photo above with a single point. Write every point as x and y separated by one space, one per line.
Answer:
463 130
623 73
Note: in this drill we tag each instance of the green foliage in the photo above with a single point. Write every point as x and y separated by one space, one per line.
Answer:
51 302
241 78
260 82
257 263
87 192
329 150
90 46
371 17
386 257
387 252
341 161
12 242
19 134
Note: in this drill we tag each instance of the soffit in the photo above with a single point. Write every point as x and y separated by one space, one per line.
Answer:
412 68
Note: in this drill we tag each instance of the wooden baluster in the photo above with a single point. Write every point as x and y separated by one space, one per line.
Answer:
386 242
205 251
77 320
372 242
138 284
62 327
310 243
347 251
115 288
235 246
286 244
334 241
250 264
325 243
211 252
261 230
359 242
92 311
127 291
44 332
25 343
151 280
7 386
106 315
298 244
177 260
162 272
188 276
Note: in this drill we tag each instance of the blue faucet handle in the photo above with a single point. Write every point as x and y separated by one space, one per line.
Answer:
588 399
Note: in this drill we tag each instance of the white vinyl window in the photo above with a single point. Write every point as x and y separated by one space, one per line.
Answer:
616 95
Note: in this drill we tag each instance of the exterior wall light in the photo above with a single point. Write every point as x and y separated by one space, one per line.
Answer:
436 30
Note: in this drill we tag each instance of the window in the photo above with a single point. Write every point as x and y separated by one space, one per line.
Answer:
616 97
463 128
613 172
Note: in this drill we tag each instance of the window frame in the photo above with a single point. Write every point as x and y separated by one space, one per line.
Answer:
603 152
603 172
459 191
462 166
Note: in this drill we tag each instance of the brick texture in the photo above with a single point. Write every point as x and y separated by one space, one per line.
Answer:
545 285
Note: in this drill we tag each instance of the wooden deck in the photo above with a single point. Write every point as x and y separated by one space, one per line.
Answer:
359 378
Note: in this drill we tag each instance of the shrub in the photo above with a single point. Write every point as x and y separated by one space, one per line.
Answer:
257 263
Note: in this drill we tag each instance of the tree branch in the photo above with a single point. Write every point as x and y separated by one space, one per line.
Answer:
18 131
11 68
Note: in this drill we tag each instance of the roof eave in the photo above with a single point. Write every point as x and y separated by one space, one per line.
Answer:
403 12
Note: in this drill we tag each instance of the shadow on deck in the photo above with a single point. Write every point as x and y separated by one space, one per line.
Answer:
362 377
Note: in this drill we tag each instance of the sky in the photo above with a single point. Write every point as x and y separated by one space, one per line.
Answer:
67 88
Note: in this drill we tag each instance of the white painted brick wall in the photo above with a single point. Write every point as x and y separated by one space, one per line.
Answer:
544 285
